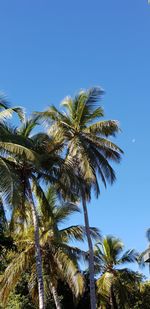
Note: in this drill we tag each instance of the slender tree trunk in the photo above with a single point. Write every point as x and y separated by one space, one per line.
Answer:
113 303
55 296
91 255
37 250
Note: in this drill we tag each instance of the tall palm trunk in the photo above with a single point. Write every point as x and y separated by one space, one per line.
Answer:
55 296
37 250
113 303
91 255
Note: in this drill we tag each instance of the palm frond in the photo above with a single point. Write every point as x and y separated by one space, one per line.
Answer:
20 112
6 183
78 232
7 113
67 102
64 211
70 271
104 128
130 256
18 150
104 284
28 126
43 203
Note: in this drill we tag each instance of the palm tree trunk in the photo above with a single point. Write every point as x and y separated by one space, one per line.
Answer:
37 250
113 300
91 255
55 296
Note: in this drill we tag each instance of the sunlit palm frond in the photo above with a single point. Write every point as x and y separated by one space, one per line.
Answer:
115 282
8 112
112 248
104 284
18 150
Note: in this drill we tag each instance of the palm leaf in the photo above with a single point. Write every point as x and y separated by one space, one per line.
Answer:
104 128
18 150
77 232
70 271
6 184
28 125
130 256
104 284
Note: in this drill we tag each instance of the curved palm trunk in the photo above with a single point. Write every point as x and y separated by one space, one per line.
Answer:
55 296
37 250
91 255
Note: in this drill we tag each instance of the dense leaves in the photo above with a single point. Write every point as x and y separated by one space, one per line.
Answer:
45 174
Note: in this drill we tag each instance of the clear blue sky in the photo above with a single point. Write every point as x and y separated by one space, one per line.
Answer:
50 49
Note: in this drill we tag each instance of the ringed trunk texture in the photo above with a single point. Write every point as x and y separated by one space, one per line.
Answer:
37 251
91 255
55 296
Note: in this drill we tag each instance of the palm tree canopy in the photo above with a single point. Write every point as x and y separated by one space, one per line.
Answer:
115 280
23 154
109 254
85 135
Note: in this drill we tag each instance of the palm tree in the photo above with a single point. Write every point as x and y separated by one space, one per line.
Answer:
27 159
114 282
85 139
60 259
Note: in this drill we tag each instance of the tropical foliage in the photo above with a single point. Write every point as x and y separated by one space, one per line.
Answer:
85 139
115 281
46 173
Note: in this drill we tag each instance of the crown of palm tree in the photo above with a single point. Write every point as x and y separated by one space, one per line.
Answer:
85 135
114 283
24 159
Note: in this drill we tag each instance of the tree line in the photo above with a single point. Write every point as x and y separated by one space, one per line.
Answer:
50 163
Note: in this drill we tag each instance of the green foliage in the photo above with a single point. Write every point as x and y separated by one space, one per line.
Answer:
114 284
74 153
20 297
60 259
84 136
17 301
